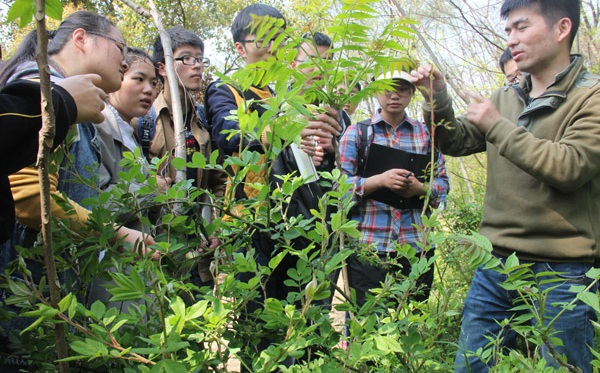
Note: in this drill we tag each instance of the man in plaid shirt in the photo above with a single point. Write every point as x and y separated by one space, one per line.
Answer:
384 227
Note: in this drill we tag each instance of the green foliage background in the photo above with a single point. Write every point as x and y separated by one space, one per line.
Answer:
157 321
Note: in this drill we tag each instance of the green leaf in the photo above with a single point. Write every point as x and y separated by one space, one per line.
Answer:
593 273
336 221
512 261
198 160
591 299
98 308
117 325
54 9
196 310
387 344
89 348
169 366
178 163
274 262
33 325
273 305
23 9
65 303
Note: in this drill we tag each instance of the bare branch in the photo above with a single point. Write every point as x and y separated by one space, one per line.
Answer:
46 139
138 9
472 26
402 13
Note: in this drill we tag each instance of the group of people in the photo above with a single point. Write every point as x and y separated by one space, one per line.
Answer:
540 132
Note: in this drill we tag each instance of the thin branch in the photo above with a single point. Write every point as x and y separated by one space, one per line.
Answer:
46 140
402 13
138 9
472 26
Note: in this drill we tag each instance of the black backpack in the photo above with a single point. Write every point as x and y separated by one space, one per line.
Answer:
365 137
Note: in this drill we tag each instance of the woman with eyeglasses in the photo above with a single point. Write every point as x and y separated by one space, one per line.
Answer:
84 43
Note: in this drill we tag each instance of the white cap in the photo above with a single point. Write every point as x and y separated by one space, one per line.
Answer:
396 74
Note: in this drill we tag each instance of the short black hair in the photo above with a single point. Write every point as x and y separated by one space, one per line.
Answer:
179 36
504 58
242 23
318 38
551 10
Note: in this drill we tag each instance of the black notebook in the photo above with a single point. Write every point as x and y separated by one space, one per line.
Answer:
382 158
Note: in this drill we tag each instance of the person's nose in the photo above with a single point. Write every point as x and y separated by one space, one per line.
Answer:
148 89
512 40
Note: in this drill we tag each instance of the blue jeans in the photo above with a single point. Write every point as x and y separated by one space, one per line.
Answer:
488 304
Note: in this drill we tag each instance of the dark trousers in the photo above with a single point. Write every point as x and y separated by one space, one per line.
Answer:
364 276
263 250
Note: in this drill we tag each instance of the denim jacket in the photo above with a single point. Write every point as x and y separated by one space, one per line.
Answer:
79 170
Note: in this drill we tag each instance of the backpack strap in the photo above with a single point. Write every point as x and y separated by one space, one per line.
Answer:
208 118
201 113
146 129
365 137
249 95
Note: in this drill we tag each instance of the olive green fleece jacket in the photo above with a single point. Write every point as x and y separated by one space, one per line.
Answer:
542 199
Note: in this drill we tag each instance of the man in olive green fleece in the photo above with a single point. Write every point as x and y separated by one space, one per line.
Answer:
542 203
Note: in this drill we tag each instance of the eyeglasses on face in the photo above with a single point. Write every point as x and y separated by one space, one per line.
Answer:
121 45
191 60
511 79
400 90
262 43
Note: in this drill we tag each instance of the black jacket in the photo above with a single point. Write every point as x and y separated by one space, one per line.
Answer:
20 122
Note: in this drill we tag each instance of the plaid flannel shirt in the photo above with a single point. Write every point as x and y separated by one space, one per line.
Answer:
380 224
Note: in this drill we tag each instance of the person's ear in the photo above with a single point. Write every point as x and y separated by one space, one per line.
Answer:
79 38
239 47
162 71
563 27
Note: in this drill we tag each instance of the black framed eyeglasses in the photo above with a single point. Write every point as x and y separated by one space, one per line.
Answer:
308 57
121 45
191 60
512 79
262 43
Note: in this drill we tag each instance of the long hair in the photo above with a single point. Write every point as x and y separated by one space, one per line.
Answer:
88 21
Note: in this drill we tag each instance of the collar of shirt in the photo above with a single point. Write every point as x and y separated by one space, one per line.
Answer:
377 119
160 104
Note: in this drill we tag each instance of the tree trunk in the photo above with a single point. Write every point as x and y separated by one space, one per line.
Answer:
175 98
177 111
